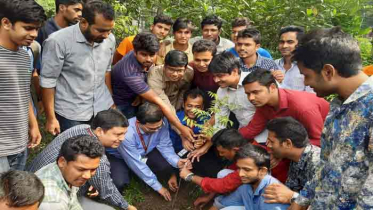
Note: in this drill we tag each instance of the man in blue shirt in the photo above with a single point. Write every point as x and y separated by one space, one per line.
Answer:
253 164
239 24
209 164
146 150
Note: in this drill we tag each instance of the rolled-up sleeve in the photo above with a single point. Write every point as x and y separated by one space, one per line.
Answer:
52 62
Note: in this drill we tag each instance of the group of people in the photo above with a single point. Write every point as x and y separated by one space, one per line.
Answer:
134 110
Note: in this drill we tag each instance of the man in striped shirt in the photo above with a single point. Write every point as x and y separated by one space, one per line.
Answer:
108 127
18 125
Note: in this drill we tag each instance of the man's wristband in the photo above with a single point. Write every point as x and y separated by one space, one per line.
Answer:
295 196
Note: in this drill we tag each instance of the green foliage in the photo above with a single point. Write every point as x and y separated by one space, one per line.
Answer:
49 7
366 51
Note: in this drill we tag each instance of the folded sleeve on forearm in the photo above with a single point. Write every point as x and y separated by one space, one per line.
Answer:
52 63
255 126
226 184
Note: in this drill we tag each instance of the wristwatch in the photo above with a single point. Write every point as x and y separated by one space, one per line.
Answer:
295 195
189 177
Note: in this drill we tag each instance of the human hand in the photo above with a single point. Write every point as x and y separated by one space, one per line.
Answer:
196 154
202 200
186 133
187 144
274 162
278 75
184 163
200 141
34 137
165 194
278 193
172 183
184 172
130 207
53 126
113 106
92 192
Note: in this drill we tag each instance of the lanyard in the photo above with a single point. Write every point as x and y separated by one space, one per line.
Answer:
142 138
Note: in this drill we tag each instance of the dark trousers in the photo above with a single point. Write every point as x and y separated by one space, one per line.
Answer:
120 172
66 123
209 165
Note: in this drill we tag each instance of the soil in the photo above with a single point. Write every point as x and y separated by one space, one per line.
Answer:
187 194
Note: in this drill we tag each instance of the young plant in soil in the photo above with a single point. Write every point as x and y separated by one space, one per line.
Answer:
206 129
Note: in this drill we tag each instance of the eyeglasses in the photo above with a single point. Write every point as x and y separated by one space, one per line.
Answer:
152 130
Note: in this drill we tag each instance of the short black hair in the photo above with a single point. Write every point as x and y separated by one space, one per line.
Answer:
182 23
109 119
224 62
204 45
263 76
212 20
176 58
149 113
228 138
146 41
329 46
27 11
241 21
297 29
67 3
86 145
289 128
250 33
96 7
20 188
161 18
194 93
257 153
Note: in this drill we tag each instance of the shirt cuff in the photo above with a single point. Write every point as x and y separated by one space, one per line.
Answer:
157 186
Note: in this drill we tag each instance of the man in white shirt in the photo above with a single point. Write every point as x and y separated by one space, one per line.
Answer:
293 79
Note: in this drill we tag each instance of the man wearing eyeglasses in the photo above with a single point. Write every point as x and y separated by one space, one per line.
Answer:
147 150
171 80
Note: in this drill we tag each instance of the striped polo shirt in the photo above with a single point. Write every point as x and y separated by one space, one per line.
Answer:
15 76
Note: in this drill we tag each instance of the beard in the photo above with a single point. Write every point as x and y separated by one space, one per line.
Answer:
89 36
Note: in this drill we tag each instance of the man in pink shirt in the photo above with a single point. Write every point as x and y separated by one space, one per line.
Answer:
272 102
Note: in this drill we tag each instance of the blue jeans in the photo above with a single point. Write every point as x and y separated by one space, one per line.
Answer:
14 162
128 110
66 123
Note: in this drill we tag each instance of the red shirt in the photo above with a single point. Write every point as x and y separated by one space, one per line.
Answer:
223 185
305 107
232 181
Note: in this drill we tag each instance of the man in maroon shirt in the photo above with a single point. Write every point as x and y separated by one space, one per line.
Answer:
272 102
203 52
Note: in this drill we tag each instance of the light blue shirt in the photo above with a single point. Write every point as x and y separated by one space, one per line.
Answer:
244 196
132 151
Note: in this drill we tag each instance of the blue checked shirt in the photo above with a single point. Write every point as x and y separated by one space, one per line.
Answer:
261 62
101 181
344 179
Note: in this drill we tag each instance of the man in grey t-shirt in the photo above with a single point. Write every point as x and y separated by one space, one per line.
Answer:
76 65
18 125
